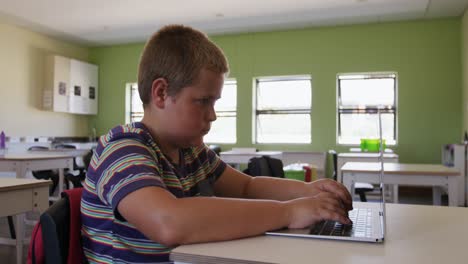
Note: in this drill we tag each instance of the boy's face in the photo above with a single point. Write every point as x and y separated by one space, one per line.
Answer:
189 114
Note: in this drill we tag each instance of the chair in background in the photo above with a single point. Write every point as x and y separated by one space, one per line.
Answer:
46 174
69 176
215 148
11 226
56 238
360 188
265 166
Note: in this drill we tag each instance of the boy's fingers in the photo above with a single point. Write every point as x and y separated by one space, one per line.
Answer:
335 216
340 191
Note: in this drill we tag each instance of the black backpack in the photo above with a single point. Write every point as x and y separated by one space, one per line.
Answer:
265 166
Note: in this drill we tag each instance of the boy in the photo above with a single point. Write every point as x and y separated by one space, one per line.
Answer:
146 184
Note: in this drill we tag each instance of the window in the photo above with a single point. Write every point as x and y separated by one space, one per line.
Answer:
283 109
360 96
134 106
223 130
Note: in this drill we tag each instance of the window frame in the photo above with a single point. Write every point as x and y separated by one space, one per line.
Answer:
228 113
256 112
368 109
128 102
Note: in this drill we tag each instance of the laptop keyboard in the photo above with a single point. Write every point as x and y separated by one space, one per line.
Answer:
361 227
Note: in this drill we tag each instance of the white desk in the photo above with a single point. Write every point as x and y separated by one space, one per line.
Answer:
386 150
407 240
20 163
78 154
237 158
17 197
362 157
433 175
368 157
318 159
70 152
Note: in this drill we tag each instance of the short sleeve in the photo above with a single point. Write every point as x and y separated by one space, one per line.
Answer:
215 167
125 166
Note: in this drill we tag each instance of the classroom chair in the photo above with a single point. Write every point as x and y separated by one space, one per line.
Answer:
45 174
361 188
69 176
215 148
265 166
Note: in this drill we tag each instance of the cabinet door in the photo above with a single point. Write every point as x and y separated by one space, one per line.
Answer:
92 88
79 92
61 82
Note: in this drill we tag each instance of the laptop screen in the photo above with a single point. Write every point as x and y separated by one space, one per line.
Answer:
381 175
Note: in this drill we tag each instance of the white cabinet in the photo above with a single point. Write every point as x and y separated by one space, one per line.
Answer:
83 87
56 91
71 86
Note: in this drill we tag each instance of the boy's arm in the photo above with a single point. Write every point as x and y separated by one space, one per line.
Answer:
234 183
173 221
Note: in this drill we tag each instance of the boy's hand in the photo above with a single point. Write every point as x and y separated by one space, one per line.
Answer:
303 212
331 186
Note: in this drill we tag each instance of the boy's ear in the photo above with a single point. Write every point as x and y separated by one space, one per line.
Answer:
159 92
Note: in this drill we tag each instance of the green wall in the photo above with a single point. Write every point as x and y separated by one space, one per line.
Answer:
425 54
464 56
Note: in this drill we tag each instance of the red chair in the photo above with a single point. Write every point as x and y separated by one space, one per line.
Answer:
56 238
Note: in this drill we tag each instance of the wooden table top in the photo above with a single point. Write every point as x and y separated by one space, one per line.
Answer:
37 155
9 184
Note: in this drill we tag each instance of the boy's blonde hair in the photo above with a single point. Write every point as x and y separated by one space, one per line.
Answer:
177 53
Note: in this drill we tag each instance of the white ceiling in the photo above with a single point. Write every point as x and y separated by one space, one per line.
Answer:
104 22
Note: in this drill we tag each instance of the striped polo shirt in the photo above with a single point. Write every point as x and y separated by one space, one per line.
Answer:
127 159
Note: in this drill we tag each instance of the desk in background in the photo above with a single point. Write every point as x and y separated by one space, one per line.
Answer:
386 150
21 163
237 158
77 154
356 156
317 159
362 157
433 175
415 234
17 197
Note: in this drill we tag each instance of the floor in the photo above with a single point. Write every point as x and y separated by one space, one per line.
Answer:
8 253
407 196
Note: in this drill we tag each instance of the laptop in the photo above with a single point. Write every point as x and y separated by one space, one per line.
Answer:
368 218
